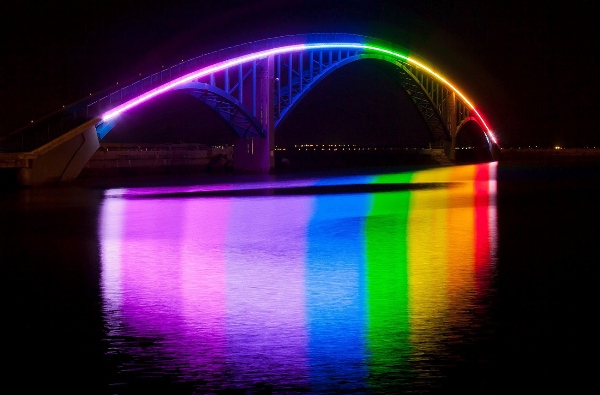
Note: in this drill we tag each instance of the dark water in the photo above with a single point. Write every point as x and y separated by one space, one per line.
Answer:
467 279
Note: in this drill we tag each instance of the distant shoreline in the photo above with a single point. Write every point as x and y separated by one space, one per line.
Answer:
550 155
299 161
551 151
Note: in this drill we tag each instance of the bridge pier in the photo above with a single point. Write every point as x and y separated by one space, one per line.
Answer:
450 146
251 155
255 154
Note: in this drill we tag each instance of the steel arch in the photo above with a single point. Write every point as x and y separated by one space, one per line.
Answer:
229 108
305 80
301 71
306 60
217 92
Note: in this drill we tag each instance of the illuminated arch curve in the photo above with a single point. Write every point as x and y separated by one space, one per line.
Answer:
226 81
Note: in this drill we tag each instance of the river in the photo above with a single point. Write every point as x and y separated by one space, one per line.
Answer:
471 279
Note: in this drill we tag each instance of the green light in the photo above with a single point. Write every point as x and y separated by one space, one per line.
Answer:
387 280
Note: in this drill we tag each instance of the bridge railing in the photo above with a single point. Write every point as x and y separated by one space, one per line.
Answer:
44 130
148 83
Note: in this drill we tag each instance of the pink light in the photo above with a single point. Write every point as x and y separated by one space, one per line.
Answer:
198 74
219 67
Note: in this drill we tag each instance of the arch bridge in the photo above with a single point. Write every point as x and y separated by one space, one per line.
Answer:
253 87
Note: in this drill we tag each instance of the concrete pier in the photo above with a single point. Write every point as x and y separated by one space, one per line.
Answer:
256 154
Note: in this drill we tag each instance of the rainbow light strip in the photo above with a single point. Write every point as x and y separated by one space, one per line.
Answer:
284 50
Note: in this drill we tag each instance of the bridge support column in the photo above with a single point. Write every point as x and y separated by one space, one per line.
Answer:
256 154
450 146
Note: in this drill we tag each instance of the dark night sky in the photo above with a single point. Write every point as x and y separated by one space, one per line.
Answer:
529 66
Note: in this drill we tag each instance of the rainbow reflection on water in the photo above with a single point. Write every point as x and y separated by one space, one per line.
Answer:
339 290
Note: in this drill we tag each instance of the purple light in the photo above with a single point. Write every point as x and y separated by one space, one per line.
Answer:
198 74
219 67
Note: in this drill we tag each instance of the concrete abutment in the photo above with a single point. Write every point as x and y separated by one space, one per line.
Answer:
61 160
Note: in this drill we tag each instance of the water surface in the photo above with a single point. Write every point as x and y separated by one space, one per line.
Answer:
466 279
